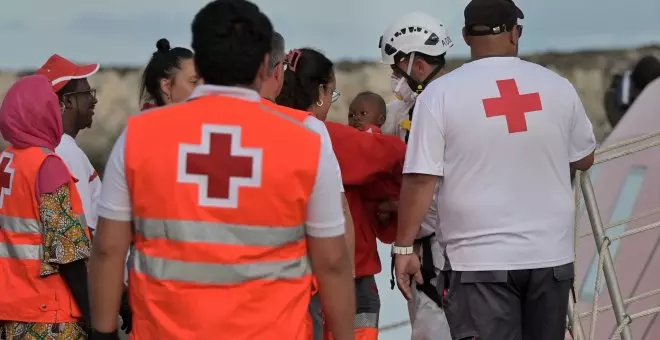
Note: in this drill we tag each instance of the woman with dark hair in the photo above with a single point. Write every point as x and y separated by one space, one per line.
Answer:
309 83
366 162
169 77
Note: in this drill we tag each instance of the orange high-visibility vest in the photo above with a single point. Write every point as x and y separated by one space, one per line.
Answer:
219 190
26 296
299 116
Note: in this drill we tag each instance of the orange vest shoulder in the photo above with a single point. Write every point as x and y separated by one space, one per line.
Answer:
293 113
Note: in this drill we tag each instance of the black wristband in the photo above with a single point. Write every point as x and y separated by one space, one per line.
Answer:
96 335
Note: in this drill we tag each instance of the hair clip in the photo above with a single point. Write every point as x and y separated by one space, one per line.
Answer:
292 58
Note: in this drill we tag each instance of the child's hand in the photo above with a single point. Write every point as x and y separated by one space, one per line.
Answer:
386 211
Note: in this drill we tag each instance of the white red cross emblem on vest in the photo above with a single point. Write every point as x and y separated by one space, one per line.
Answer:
220 166
6 176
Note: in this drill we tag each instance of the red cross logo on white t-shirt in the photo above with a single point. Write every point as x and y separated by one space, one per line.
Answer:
512 105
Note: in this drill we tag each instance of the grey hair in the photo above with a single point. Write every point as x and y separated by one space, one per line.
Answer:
277 50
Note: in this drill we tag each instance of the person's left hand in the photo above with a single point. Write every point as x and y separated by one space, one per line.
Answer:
407 267
126 314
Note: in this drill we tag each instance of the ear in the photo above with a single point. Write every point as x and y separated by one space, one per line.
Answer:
166 86
321 91
514 35
278 73
264 70
66 101
420 66
381 119
465 37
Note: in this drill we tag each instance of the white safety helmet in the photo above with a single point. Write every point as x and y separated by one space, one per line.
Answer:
414 32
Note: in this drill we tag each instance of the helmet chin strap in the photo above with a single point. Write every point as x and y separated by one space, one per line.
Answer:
414 84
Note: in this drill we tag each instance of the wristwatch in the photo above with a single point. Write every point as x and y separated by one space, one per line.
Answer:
402 250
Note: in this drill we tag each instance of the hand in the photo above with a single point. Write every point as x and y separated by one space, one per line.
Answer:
388 206
384 218
126 314
405 268
95 335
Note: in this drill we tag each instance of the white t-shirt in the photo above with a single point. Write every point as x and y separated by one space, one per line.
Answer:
89 183
325 216
505 201
397 111
319 127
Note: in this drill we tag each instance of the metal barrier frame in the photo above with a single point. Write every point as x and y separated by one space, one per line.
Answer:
605 262
584 189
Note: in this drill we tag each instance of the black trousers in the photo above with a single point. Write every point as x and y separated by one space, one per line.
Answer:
508 305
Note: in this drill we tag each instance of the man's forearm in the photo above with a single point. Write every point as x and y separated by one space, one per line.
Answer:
337 292
106 277
75 276
414 202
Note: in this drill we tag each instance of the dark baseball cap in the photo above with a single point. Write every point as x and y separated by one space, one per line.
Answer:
489 17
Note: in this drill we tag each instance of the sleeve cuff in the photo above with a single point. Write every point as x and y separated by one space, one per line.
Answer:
326 230
580 155
424 171
124 216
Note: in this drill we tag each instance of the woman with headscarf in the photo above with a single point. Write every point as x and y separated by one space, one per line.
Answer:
365 161
44 241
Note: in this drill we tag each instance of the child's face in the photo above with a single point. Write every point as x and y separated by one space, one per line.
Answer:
364 111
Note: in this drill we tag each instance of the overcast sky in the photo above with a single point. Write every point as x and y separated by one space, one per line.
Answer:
124 32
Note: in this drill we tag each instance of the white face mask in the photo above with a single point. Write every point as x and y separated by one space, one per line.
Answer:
400 86
402 90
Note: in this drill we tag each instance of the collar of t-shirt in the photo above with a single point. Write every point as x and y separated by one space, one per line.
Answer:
232 91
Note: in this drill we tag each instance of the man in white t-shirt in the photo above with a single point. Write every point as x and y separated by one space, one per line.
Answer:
78 100
501 133
417 57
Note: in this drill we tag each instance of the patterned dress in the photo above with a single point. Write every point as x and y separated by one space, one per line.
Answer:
65 241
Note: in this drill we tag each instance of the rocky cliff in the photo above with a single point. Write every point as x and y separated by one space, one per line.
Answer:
117 88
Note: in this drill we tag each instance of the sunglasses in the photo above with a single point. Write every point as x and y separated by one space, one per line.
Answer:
90 92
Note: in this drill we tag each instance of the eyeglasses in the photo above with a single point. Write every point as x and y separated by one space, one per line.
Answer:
335 96
90 92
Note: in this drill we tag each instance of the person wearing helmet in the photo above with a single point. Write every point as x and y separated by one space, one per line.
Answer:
497 134
415 46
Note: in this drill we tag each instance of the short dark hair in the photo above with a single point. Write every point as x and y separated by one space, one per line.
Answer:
435 60
277 50
230 39
306 73
69 87
380 102
164 63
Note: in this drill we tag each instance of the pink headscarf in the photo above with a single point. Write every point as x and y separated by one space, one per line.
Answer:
30 114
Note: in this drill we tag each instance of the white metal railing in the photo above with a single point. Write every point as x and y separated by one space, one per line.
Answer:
605 266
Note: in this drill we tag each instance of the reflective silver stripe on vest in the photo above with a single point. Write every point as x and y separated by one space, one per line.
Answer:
209 273
19 224
21 251
220 233
366 320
